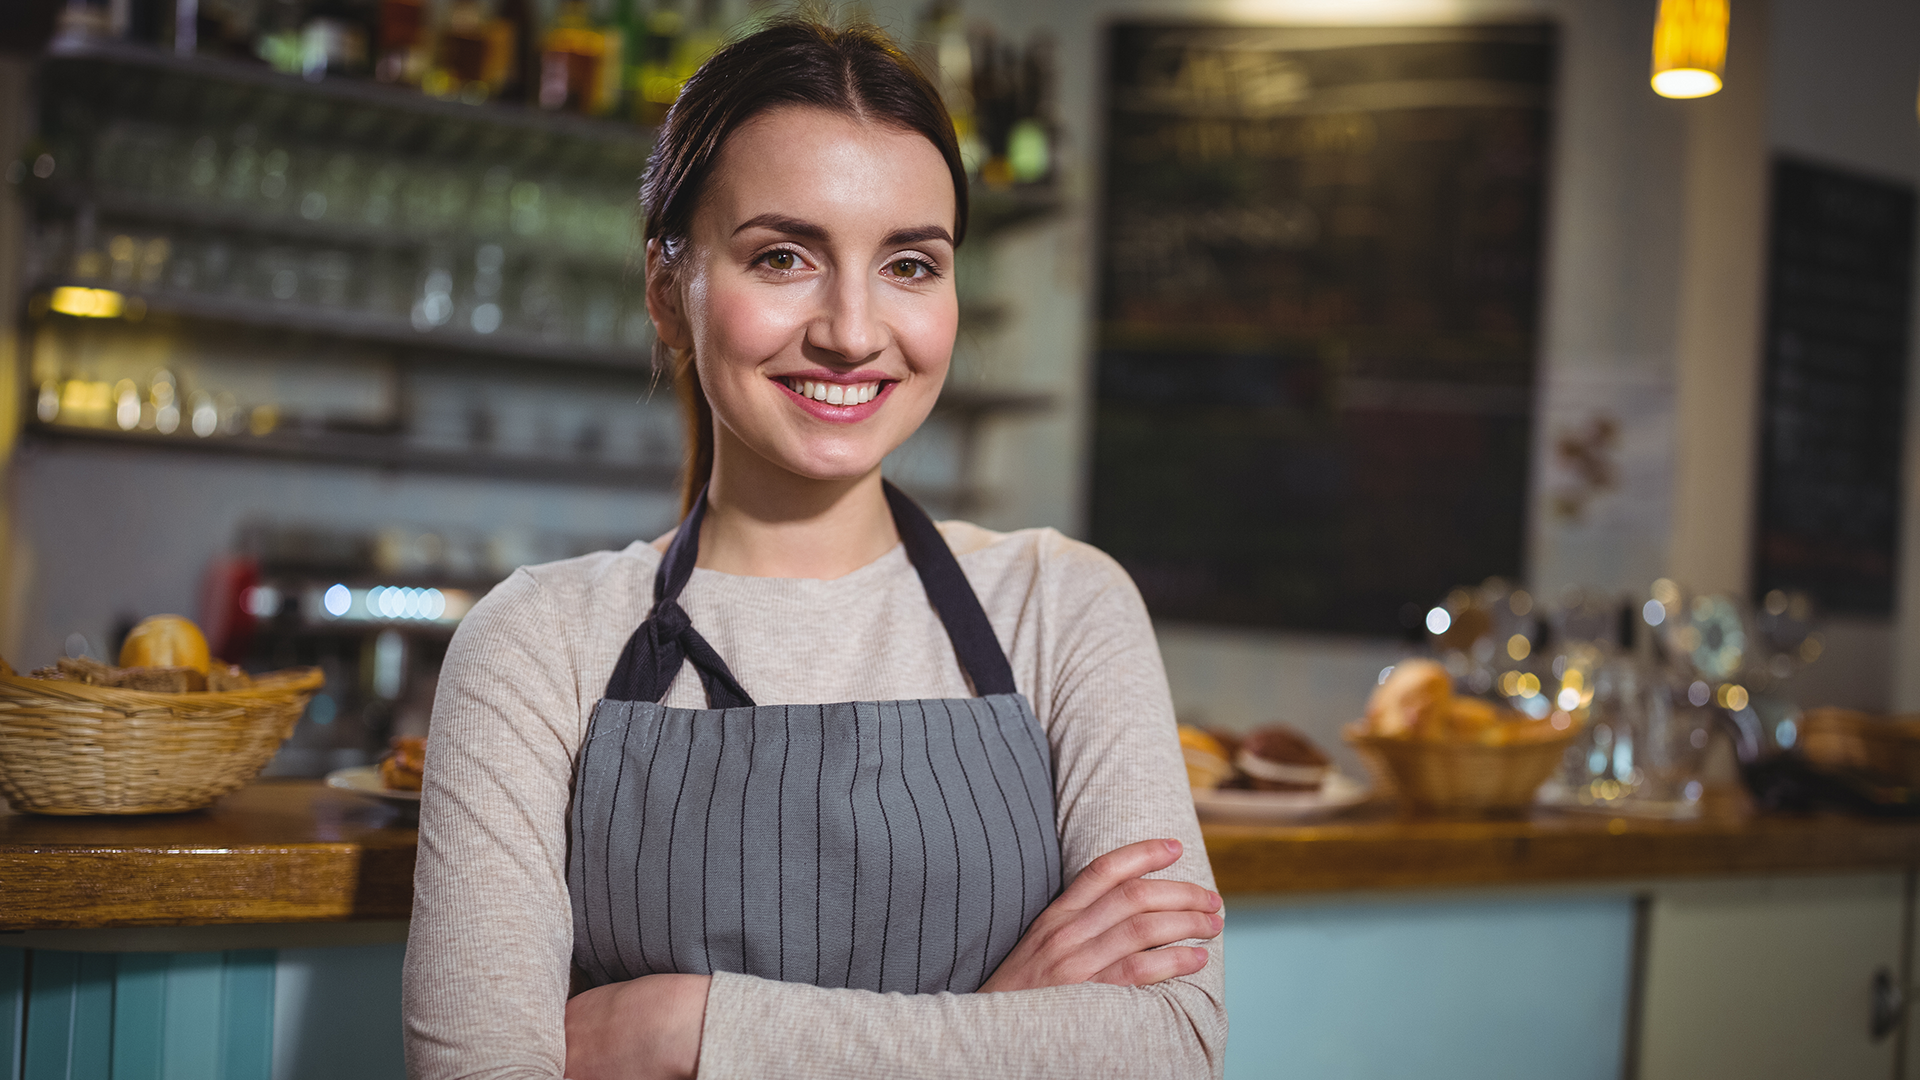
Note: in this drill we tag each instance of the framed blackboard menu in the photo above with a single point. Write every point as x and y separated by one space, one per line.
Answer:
1318 302
1839 285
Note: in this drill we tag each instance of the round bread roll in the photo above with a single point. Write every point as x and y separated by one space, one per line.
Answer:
1415 697
166 641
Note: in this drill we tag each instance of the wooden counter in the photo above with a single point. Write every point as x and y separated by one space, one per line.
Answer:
295 851
277 851
1378 850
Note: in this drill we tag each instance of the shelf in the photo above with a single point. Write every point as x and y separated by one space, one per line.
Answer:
382 452
385 451
384 329
350 91
121 206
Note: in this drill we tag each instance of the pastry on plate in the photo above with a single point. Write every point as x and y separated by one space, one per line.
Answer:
1208 761
1280 758
401 769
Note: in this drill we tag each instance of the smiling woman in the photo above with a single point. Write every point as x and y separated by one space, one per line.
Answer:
862 795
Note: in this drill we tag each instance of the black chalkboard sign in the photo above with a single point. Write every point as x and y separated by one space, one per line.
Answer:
1839 285
1318 306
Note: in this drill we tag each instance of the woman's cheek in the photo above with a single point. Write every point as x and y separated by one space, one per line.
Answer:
746 330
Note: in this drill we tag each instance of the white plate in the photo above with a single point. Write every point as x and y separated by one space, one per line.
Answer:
365 780
1337 794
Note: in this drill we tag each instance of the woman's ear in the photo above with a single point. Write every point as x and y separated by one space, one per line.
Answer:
663 301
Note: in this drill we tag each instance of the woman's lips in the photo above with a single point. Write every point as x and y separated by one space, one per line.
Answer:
835 400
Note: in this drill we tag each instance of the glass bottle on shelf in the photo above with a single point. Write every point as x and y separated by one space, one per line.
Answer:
403 41
520 69
460 54
655 78
570 61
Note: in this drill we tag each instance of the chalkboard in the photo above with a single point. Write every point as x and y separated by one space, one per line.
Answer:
1839 286
1319 284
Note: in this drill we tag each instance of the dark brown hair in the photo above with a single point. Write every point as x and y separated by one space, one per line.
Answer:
855 71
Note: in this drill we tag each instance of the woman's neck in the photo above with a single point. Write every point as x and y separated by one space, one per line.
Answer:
763 521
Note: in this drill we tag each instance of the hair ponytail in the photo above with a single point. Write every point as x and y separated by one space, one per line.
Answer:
696 420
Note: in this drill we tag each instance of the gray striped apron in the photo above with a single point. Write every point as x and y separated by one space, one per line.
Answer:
879 845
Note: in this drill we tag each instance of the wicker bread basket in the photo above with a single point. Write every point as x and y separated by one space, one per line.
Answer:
70 748
1460 779
1886 748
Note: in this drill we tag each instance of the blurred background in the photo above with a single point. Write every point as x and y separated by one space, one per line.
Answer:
322 315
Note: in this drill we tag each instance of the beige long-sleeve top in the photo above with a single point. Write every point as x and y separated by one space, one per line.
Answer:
489 955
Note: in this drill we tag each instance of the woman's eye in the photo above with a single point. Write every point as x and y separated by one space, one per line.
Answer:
781 260
909 268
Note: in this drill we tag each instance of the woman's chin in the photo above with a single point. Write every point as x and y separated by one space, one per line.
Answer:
834 469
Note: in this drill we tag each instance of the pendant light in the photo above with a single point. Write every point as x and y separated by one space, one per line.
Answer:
1689 48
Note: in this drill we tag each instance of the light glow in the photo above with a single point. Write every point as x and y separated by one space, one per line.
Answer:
1518 647
1689 48
87 303
338 599
1438 621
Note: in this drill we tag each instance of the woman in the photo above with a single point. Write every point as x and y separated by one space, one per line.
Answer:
813 817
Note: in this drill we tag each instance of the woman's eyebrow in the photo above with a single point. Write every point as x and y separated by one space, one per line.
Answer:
792 226
918 234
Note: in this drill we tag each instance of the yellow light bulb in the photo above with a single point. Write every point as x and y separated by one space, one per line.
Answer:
1686 83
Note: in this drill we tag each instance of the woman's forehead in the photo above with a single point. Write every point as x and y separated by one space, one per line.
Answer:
844 173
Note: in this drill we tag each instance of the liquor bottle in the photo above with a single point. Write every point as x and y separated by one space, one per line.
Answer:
655 78
520 80
570 60
460 58
403 38
501 59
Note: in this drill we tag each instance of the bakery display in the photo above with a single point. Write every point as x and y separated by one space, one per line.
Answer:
1444 753
1271 775
1417 701
166 730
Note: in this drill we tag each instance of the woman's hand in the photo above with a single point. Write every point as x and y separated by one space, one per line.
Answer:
645 1029
1109 926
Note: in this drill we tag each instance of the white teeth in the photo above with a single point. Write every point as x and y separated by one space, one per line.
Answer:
834 393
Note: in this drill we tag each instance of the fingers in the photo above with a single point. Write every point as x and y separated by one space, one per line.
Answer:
1130 898
1116 866
1153 966
1147 930
1134 936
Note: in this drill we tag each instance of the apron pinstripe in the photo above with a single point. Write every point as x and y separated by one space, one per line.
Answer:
881 845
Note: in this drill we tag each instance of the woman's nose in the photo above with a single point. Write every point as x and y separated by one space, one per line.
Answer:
848 323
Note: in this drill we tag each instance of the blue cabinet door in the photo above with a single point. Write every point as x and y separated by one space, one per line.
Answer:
1469 989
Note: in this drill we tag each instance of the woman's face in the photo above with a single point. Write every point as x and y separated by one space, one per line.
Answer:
817 290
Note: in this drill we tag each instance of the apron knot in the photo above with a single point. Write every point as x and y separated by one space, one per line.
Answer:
657 649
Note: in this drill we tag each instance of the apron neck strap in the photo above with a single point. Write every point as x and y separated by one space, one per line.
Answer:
667 639
953 599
